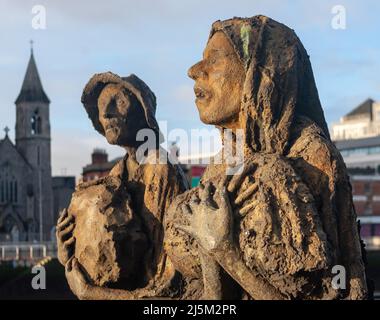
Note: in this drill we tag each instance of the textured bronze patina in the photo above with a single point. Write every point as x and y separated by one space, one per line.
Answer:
273 231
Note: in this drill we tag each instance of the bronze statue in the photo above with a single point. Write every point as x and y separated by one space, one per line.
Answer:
110 238
274 230
278 228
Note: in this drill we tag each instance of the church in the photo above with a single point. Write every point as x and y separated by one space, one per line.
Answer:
27 208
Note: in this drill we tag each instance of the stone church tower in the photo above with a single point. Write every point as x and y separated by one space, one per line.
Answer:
33 143
30 198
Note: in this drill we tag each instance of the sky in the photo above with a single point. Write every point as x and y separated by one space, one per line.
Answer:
159 40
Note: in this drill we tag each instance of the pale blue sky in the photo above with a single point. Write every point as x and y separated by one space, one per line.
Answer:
159 40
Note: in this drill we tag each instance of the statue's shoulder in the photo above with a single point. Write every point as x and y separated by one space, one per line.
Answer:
159 166
87 184
119 169
311 143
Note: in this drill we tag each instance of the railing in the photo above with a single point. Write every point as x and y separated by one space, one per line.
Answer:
27 251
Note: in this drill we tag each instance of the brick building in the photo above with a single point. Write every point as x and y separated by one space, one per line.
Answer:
99 166
357 138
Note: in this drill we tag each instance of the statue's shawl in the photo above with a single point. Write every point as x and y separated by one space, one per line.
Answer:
279 82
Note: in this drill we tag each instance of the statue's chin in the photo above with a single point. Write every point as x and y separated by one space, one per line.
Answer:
208 118
210 114
205 116
112 139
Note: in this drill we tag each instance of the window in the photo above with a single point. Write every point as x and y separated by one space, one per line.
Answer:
368 209
2 191
8 189
376 230
35 121
367 187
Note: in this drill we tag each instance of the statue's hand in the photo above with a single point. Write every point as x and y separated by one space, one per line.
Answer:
243 187
76 279
65 238
210 217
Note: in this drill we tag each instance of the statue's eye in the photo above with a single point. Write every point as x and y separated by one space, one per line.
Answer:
213 60
122 103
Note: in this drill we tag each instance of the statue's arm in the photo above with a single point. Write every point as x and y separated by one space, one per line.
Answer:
231 261
211 272
84 290
101 293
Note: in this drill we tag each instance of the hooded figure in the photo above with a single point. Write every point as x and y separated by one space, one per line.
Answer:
302 221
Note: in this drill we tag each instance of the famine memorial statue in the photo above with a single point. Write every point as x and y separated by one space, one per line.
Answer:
275 229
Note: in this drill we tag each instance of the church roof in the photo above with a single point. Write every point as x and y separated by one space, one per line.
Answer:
9 149
363 108
32 90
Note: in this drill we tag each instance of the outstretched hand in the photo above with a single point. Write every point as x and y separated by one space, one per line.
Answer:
210 217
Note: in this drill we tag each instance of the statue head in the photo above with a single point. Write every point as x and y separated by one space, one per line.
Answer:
219 79
120 107
256 75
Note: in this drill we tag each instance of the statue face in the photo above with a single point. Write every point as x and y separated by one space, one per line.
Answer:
120 114
219 80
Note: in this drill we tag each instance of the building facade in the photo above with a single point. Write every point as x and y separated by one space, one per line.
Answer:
357 137
99 166
361 122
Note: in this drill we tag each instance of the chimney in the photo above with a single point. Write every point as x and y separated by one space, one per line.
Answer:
99 156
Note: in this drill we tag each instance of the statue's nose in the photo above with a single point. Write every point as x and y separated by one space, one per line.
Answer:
196 71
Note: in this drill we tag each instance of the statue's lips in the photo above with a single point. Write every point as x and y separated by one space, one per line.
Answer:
112 125
201 93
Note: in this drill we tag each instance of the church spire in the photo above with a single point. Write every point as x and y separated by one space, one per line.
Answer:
31 90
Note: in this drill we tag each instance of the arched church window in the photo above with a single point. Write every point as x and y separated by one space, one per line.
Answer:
8 189
15 191
36 124
2 190
39 129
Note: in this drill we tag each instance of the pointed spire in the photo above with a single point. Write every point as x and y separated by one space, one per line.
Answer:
32 89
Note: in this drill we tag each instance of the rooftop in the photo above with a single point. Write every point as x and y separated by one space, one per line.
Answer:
32 90
364 108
